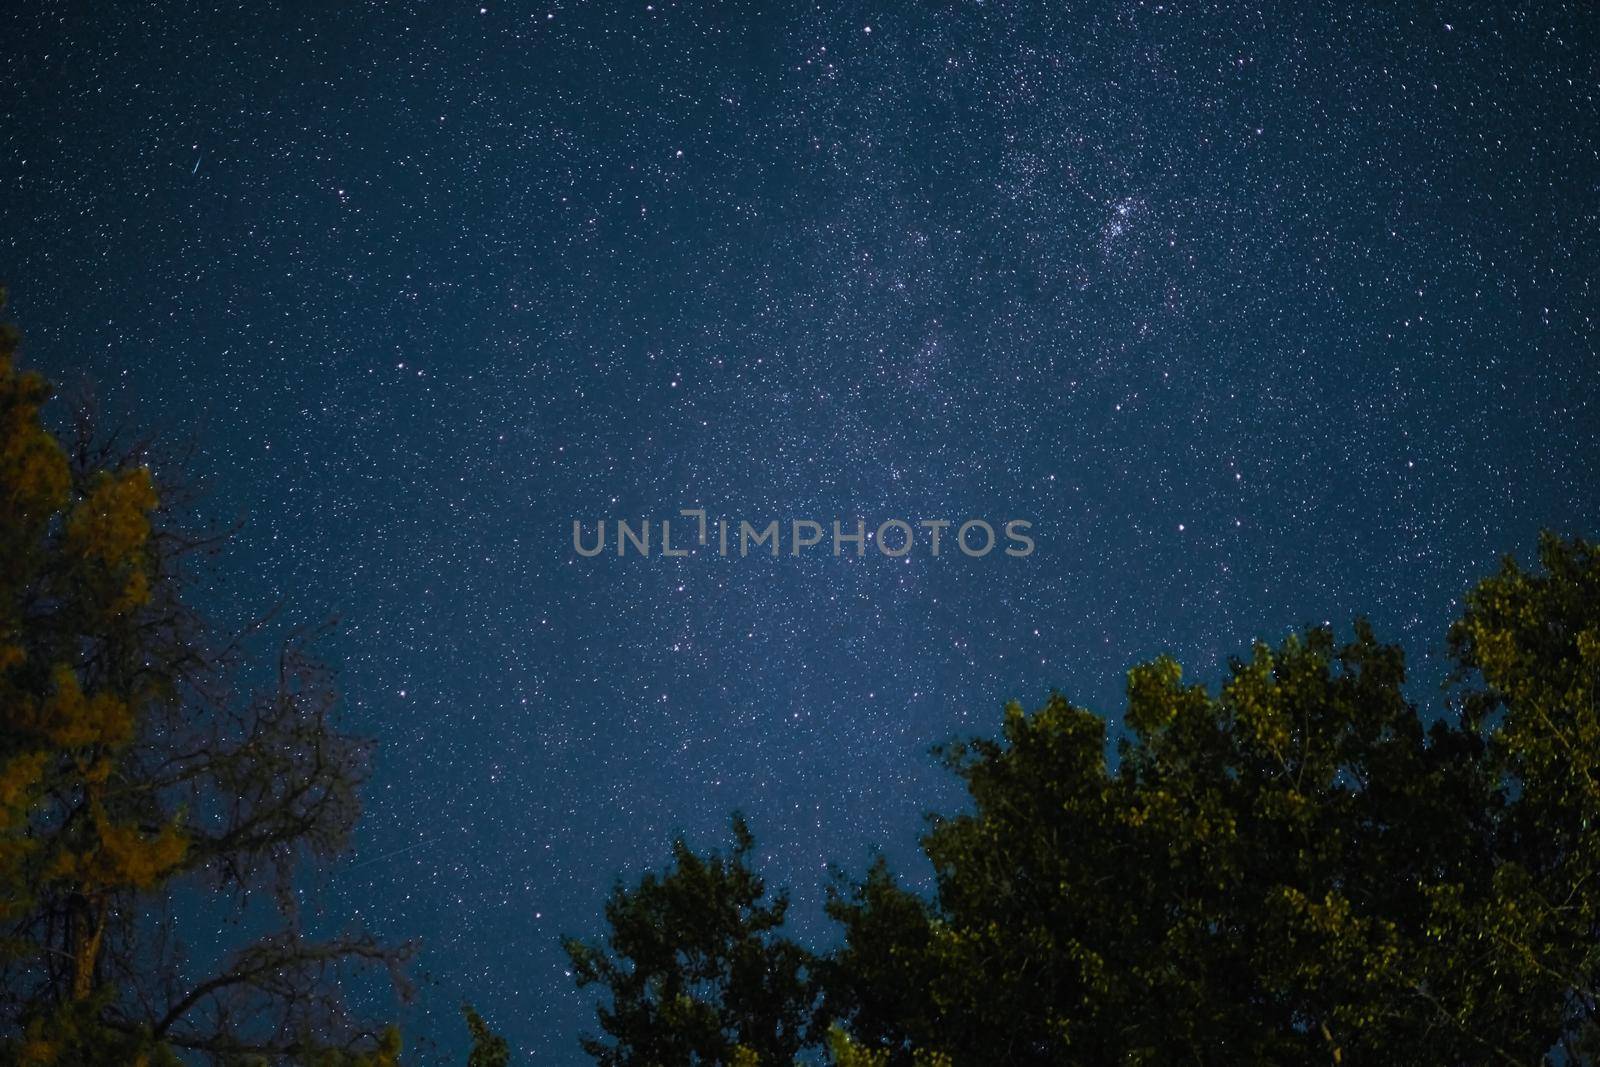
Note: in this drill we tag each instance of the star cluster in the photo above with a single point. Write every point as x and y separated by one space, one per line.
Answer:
1262 315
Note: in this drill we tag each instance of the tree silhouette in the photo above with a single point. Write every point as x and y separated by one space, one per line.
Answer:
1297 867
694 972
130 770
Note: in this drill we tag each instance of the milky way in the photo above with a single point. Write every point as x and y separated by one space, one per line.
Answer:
1262 316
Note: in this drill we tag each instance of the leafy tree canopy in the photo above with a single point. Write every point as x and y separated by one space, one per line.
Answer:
695 971
131 765
1297 866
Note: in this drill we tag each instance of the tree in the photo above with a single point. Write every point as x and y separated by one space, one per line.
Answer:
489 1049
1252 876
1297 867
1527 650
129 769
695 972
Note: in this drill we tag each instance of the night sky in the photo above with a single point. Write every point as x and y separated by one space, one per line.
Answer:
1262 316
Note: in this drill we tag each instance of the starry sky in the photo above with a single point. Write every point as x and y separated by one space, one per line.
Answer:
1263 316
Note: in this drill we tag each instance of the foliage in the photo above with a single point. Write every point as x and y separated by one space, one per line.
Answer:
129 769
695 973
1528 650
1297 867
488 1048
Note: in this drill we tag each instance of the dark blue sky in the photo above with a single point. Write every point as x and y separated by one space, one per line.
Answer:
1262 316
